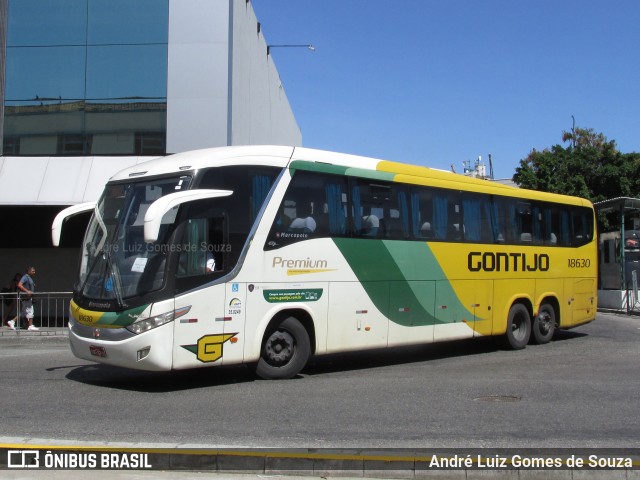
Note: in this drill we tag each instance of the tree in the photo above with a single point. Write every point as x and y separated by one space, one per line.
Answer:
590 167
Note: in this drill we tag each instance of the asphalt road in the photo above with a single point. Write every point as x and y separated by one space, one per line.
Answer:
581 390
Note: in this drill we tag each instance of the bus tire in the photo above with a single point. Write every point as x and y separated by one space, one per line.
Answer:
544 325
285 351
518 327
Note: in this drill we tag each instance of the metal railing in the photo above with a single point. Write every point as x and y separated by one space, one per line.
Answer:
51 311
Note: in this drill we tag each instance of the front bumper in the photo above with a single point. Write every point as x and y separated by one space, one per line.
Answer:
151 350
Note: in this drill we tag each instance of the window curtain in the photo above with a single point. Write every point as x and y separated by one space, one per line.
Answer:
357 209
260 186
548 224
440 216
536 224
564 228
404 213
333 191
415 215
516 221
471 219
491 212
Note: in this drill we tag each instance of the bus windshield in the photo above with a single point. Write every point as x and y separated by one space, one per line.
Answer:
116 262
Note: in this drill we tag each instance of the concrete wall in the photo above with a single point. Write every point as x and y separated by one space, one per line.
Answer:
222 87
261 113
198 80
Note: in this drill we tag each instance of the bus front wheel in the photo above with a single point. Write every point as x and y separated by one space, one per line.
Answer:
544 324
518 327
285 351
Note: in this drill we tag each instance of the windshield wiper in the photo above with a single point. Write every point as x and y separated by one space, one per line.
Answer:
116 279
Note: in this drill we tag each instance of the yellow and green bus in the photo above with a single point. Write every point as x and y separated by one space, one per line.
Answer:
267 255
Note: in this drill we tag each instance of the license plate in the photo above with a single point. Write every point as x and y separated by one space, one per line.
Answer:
98 351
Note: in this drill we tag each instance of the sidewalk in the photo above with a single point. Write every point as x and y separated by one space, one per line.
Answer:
11 337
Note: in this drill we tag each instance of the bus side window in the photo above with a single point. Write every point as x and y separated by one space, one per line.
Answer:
440 216
456 230
398 222
480 220
203 247
336 205
369 202
314 206
522 222
380 210
552 226
582 223
421 213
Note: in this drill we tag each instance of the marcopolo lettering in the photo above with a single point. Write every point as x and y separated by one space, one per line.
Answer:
507 262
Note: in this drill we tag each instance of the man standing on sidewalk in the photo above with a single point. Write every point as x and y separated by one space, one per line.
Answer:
27 286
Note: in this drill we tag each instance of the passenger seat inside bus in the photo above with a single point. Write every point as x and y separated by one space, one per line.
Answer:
370 226
304 223
394 229
425 230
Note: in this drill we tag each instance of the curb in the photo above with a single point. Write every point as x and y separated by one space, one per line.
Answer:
24 337
401 464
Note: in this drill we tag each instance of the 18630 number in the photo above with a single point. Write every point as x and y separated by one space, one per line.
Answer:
579 263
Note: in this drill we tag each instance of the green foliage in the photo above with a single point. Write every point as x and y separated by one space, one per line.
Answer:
590 167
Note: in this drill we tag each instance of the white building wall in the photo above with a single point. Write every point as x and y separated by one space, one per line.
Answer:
260 111
222 88
198 64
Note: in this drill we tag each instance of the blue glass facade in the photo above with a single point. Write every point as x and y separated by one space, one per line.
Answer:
85 77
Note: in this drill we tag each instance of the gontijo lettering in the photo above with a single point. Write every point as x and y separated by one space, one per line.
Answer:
507 262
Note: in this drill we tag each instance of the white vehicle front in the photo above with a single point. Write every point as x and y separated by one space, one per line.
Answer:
155 288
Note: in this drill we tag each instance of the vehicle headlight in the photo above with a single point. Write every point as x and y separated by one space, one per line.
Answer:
145 324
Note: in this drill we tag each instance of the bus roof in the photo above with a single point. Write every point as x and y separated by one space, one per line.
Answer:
276 156
329 162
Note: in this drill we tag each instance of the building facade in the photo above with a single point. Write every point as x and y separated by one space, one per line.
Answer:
88 87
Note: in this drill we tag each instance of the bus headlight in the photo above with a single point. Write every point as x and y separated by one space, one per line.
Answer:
145 324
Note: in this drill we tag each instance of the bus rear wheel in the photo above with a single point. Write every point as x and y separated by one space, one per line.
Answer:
518 327
544 325
285 351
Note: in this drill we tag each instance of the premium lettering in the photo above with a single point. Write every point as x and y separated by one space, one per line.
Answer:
507 262
279 262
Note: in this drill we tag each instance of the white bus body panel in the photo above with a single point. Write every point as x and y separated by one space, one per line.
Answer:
124 353
199 335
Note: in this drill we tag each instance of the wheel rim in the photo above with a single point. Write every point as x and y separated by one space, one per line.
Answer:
279 348
519 327
544 323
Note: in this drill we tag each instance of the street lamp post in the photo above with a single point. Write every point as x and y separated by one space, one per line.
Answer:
307 46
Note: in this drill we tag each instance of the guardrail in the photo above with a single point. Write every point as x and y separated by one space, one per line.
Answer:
51 310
